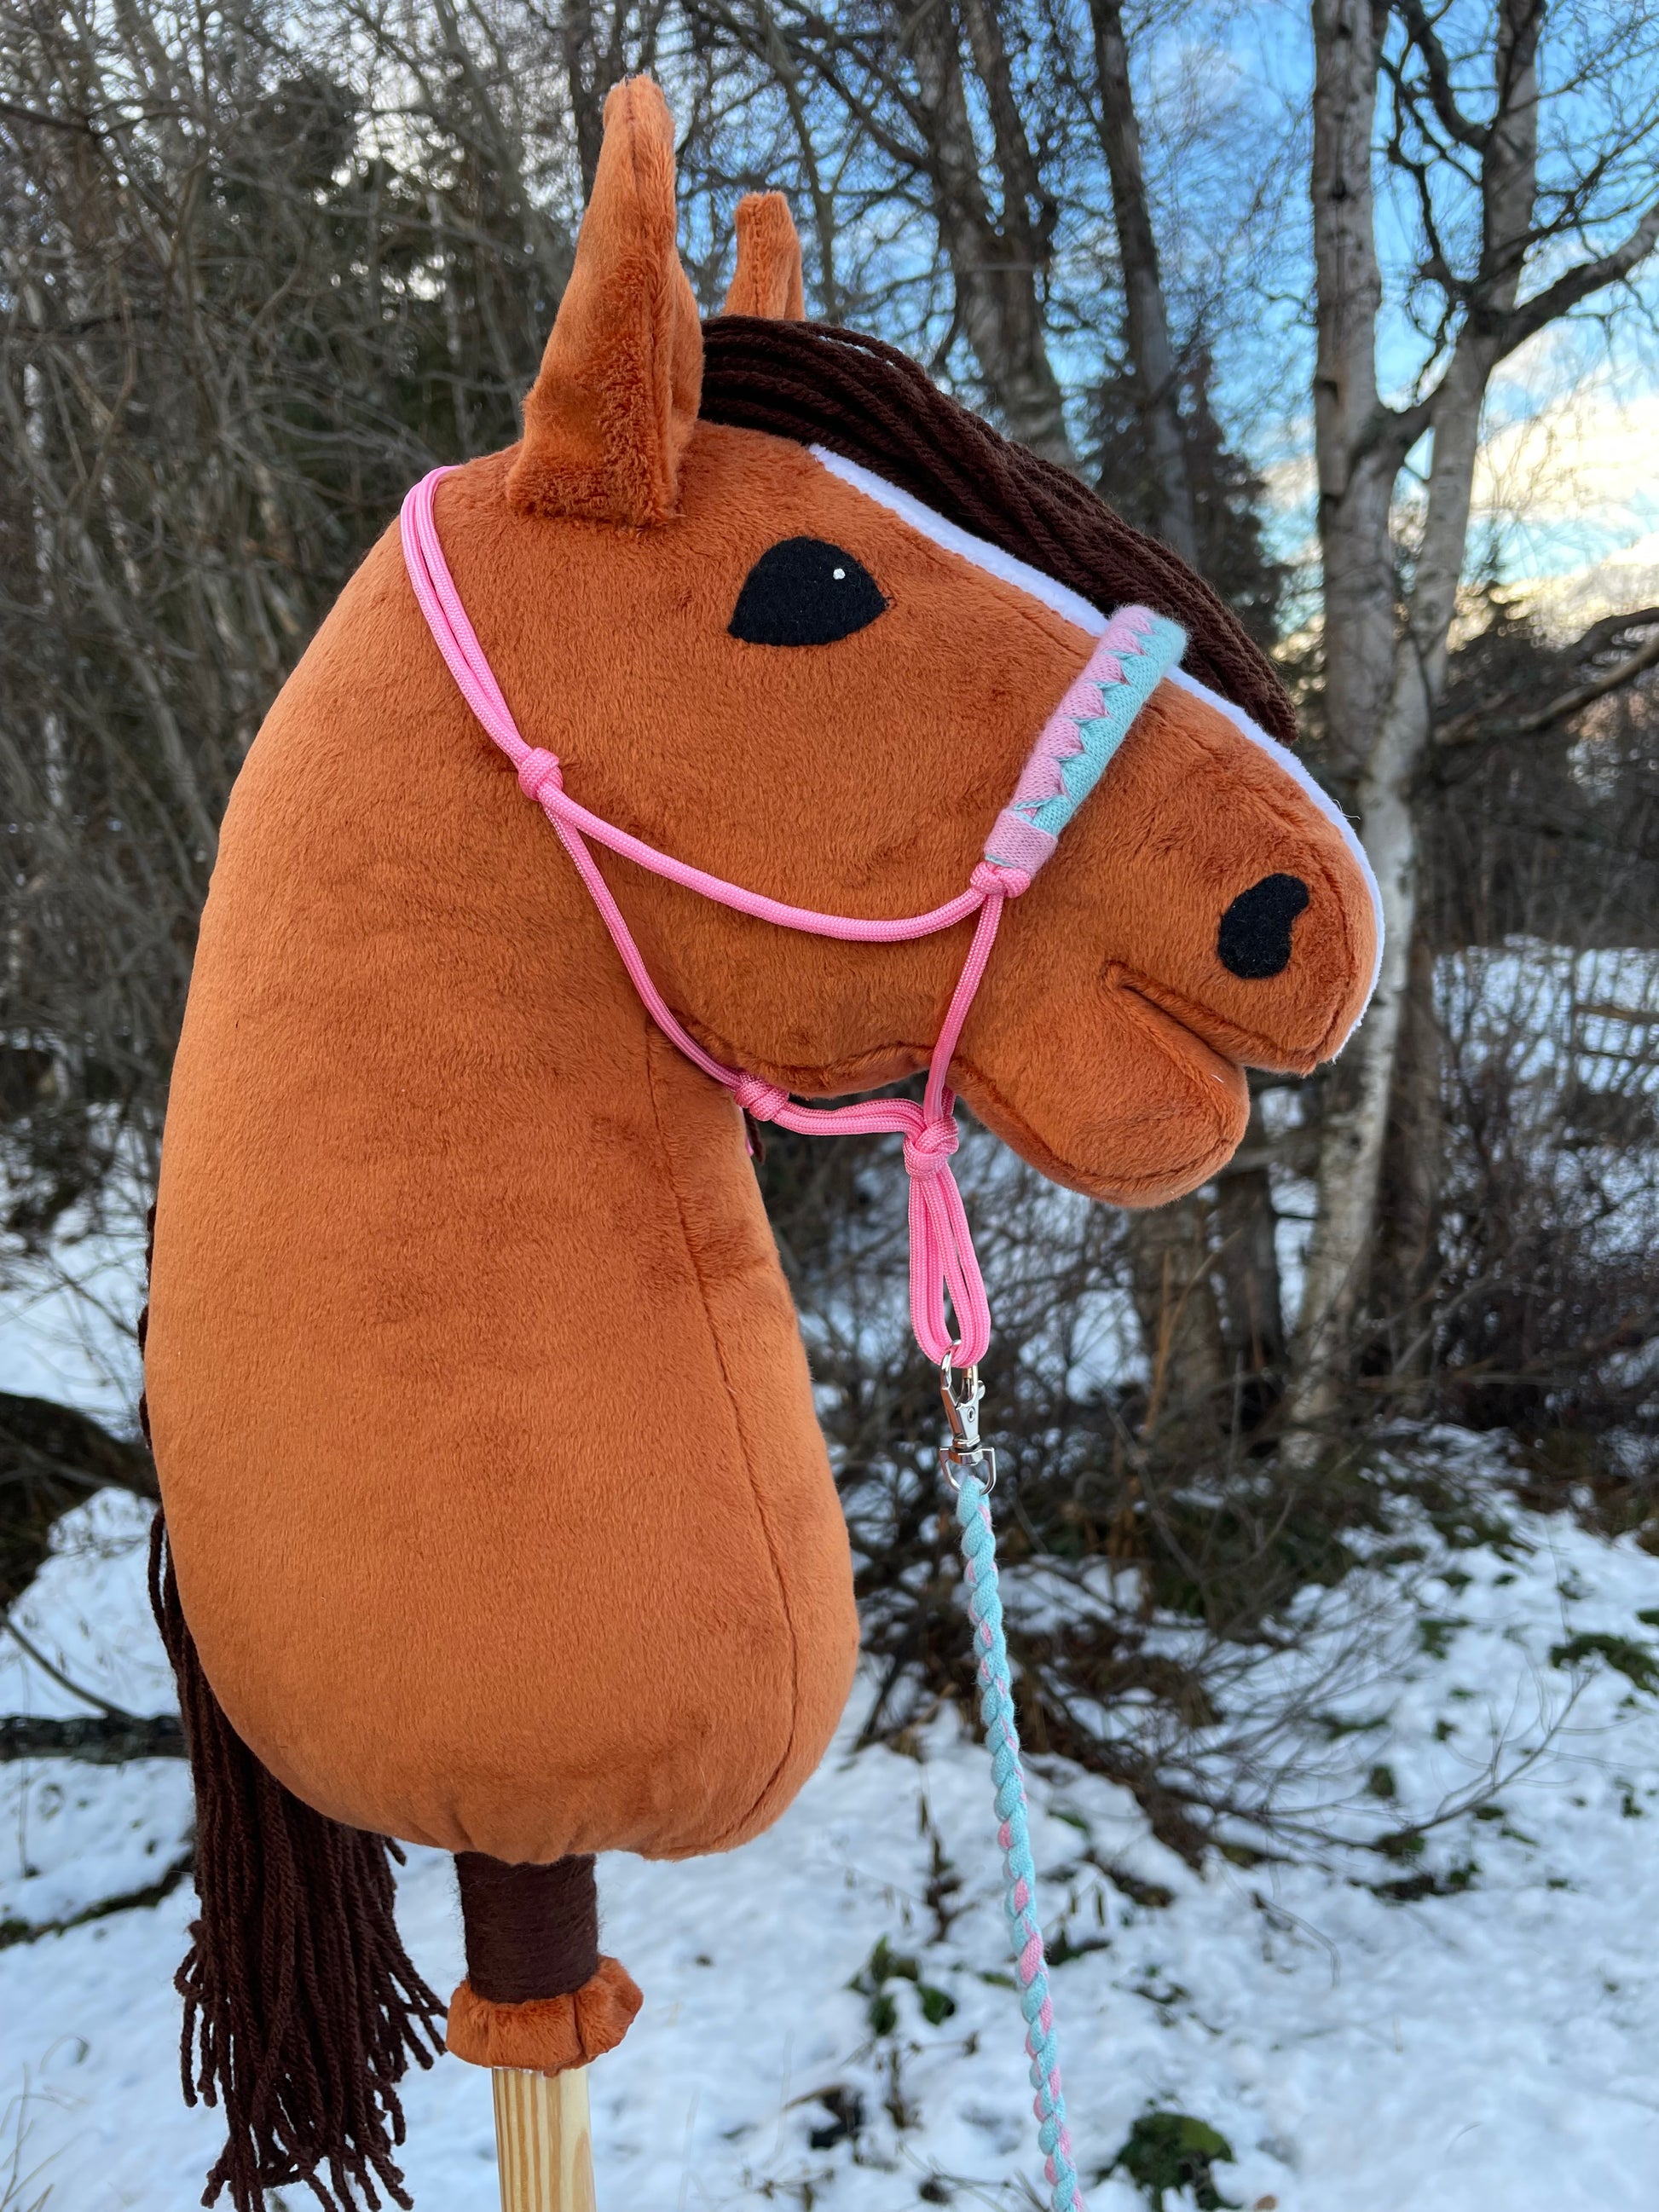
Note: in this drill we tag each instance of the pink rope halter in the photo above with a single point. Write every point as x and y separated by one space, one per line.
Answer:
942 1259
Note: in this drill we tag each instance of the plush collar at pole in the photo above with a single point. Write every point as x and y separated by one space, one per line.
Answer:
1068 759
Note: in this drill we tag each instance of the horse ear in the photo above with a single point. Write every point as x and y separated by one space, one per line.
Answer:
616 398
767 280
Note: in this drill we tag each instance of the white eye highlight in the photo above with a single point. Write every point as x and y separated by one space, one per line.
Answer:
840 574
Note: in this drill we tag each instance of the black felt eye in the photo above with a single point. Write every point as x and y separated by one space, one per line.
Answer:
802 592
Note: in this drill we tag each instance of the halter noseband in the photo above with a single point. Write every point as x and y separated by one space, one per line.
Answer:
1136 649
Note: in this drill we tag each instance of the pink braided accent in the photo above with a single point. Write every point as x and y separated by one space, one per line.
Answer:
1016 839
1020 846
1125 629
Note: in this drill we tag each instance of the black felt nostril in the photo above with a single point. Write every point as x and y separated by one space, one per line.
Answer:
1255 938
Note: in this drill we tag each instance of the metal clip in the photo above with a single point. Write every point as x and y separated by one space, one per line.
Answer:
963 1453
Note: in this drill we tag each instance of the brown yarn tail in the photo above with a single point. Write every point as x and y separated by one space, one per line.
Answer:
302 2009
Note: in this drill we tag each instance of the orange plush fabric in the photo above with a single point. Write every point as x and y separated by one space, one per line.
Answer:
500 1515
767 278
546 2035
613 405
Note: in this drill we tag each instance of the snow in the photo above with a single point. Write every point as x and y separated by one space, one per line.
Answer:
1490 2045
68 1318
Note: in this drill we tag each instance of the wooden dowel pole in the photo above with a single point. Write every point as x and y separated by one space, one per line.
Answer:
544 2144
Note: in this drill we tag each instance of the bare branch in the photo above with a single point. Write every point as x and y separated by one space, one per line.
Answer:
56 1674
1437 76
1576 285
109 1740
1482 726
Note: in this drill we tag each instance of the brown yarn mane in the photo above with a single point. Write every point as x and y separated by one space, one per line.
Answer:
865 400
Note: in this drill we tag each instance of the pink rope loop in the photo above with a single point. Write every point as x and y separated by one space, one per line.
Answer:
763 1100
928 1150
540 774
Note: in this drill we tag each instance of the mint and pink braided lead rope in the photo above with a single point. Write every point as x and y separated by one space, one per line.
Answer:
979 1555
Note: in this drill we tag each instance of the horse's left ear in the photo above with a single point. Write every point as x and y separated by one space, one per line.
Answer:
769 279
616 398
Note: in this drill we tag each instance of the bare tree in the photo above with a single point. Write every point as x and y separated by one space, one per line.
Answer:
1147 315
929 94
1479 292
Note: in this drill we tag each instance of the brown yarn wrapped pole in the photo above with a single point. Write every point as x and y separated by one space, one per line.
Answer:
533 1932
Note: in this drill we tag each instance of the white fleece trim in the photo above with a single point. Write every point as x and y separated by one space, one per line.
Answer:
1064 601
1076 609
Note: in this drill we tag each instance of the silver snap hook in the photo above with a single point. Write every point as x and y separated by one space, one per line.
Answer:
961 1452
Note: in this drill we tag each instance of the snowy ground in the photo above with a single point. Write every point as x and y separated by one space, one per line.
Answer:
1489 2047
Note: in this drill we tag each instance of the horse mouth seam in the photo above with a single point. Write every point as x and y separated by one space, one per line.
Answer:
1202 1023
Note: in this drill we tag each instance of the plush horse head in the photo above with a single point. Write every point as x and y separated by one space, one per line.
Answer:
501 1517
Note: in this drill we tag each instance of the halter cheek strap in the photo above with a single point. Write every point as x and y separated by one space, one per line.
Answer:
1071 753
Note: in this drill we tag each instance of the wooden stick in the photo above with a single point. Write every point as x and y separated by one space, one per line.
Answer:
544 2144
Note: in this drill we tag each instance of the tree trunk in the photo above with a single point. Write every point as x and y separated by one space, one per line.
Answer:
995 272
590 72
1145 316
1357 439
1175 1299
1247 1262
1356 468
1357 1111
1402 1278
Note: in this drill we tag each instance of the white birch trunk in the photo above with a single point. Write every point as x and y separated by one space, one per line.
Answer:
1361 449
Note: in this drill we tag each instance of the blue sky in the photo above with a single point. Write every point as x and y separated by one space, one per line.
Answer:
1571 480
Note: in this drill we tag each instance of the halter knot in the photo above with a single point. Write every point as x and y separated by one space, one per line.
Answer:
992 877
928 1151
758 1098
538 772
